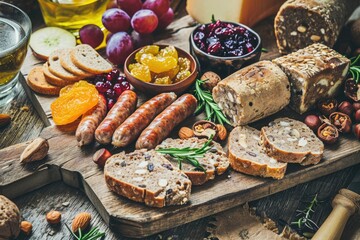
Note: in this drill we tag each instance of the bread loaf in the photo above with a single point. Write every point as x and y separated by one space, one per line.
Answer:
252 93
300 23
214 161
291 141
314 72
147 176
247 156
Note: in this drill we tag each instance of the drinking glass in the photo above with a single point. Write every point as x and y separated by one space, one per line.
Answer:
15 30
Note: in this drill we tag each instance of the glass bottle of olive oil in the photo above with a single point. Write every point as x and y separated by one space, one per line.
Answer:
72 14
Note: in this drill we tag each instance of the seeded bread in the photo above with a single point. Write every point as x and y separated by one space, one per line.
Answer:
56 68
147 176
65 61
214 161
246 154
88 59
252 93
289 140
36 81
314 72
52 79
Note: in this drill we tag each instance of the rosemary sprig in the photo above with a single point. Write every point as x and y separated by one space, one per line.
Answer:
206 102
188 154
305 216
93 234
355 68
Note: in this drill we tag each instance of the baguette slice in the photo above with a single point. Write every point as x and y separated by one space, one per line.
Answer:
89 60
147 176
65 61
247 156
52 79
289 140
56 68
214 161
37 82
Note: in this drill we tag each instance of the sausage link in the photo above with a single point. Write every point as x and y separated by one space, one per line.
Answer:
90 121
129 130
122 109
165 122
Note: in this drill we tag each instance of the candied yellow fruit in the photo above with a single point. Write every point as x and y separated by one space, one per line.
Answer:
150 49
140 71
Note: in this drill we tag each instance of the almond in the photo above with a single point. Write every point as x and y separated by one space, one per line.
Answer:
53 217
185 133
5 120
26 227
222 132
81 221
35 151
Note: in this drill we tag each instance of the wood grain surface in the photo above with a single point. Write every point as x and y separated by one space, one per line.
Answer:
26 125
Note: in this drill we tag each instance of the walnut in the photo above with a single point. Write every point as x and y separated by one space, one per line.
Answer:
9 219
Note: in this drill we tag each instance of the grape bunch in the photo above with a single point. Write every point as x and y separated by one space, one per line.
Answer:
111 85
130 23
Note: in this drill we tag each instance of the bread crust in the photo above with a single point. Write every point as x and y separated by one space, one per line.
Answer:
37 82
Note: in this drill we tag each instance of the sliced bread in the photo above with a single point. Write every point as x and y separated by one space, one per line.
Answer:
37 82
247 156
289 140
65 61
215 161
56 68
147 176
52 79
88 59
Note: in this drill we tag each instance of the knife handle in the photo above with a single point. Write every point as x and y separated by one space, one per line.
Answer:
345 204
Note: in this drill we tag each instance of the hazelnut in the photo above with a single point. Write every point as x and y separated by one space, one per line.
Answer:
100 157
210 79
357 116
81 221
53 217
356 106
185 133
222 132
328 133
352 89
346 107
341 121
26 227
327 106
357 131
313 122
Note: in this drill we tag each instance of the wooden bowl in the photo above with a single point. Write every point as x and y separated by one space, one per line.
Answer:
152 88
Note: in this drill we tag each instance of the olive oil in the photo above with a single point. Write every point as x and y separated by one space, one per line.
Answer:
72 14
12 50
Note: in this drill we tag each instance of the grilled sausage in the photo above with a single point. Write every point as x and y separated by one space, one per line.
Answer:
122 109
165 122
129 130
90 121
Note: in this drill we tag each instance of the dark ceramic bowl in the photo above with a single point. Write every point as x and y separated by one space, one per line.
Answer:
152 88
224 66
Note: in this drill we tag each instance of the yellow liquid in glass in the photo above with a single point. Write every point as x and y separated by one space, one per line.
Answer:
72 14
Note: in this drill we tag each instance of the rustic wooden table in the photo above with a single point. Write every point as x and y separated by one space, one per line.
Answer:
281 207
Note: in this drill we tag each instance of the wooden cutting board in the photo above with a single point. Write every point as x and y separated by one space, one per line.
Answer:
73 165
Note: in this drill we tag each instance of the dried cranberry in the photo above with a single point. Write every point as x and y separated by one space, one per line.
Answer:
125 85
199 36
214 48
108 85
117 89
100 86
110 93
239 30
110 103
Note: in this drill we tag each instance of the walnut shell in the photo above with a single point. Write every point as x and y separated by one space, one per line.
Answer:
9 219
222 132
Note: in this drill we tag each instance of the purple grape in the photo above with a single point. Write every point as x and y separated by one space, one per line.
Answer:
144 21
91 34
141 40
119 48
108 36
166 19
130 6
159 7
116 20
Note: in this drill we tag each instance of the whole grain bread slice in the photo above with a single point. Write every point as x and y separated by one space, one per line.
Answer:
215 161
37 82
56 68
289 140
52 79
88 59
247 156
147 176
66 63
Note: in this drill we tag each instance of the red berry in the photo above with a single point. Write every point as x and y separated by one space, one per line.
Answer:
110 103
100 86
117 89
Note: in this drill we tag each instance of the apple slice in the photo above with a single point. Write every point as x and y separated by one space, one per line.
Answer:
45 40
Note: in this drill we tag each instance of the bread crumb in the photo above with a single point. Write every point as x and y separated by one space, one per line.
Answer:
24 108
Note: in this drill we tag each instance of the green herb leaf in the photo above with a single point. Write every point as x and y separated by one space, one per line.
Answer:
264 50
213 18
189 155
93 234
206 102
354 70
304 222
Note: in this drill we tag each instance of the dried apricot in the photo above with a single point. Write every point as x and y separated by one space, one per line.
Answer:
150 49
67 88
73 103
